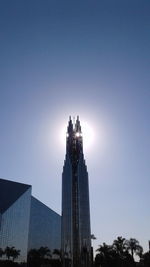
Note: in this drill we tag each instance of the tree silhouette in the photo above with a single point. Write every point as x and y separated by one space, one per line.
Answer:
106 256
44 252
146 259
33 258
11 252
134 247
15 253
118 254
120 245
57 252
38 257
8 252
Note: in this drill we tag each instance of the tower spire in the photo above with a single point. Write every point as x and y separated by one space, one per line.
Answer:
70 126
77 125
76 233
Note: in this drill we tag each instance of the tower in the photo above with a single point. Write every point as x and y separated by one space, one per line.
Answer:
76 234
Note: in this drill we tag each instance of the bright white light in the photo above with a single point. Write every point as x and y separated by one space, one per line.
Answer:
87 134
63 134
78 134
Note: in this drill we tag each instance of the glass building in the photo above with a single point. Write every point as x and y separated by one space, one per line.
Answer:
76 234
15 201
25 222
45 227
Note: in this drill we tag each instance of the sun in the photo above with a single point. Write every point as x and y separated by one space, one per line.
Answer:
87 133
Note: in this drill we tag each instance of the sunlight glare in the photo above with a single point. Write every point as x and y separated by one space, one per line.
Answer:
87 133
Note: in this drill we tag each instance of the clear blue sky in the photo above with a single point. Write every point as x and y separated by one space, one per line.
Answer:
92 58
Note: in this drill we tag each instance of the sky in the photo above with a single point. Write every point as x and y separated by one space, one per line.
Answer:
86 58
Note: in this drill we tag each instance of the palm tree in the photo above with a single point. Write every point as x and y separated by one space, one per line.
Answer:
104 249
134 247
57 252
11 252
15 253
8 252
44 252
57 259
34 258
120 245
105 257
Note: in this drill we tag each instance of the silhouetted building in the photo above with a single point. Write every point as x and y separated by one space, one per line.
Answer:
76 234
25 222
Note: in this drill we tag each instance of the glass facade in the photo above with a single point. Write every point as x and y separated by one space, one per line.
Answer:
66 237
84 213
25 222
45 227
14 225
76 233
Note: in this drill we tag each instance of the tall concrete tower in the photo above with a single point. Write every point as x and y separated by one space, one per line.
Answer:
76 233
